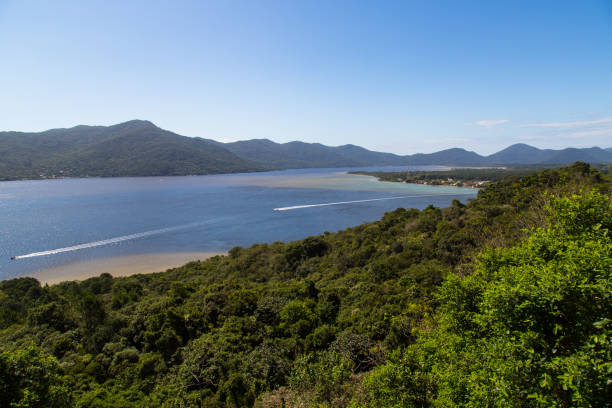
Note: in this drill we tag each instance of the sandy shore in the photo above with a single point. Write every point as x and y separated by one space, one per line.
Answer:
119 266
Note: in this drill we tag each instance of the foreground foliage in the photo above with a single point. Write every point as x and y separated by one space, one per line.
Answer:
531 327
411 310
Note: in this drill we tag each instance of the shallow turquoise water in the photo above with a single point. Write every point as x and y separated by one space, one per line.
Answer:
56 222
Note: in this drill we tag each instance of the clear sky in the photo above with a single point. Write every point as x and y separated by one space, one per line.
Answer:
397 76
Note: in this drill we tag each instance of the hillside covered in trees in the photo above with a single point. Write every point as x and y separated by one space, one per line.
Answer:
134 148
140 148
505 301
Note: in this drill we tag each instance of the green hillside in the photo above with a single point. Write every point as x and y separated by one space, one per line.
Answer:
310 155
504 301
135 148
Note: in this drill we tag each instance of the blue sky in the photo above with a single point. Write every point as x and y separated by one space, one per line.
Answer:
397 76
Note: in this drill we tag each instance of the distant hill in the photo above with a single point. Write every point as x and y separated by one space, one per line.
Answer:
589 155
134 148
456 156
519 153
525 154
303 155
139 148
309 155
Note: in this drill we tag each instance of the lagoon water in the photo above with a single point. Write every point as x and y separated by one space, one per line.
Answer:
50 223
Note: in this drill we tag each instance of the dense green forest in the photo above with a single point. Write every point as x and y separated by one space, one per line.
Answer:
504 301
296 154
134 148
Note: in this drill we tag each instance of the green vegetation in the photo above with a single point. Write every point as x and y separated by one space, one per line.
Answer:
135 148
310 155
471 177
505 301
530 327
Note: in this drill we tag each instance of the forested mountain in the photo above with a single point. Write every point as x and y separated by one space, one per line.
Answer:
299 154
304 155
504 301
309 155
517 154
135 148
589 155
139 148
455 156
520 153
524 154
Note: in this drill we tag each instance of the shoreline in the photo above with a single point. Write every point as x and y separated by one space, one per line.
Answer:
416 184
119 266
272 170
429 185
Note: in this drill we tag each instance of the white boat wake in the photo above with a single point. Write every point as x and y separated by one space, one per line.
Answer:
106 241
295 207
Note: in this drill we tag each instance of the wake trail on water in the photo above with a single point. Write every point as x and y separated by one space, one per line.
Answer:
295 207
107 241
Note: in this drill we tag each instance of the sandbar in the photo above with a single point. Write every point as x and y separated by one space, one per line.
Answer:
119 266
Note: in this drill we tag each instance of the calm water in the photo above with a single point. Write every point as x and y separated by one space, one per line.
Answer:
187 214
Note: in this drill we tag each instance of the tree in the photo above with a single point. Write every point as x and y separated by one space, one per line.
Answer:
30 379
93 311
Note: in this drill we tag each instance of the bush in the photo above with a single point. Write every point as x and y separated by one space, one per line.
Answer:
324 373
30 379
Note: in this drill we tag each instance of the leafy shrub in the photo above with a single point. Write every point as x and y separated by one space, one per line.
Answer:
28 378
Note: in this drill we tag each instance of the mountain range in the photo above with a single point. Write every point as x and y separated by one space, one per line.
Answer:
139 148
